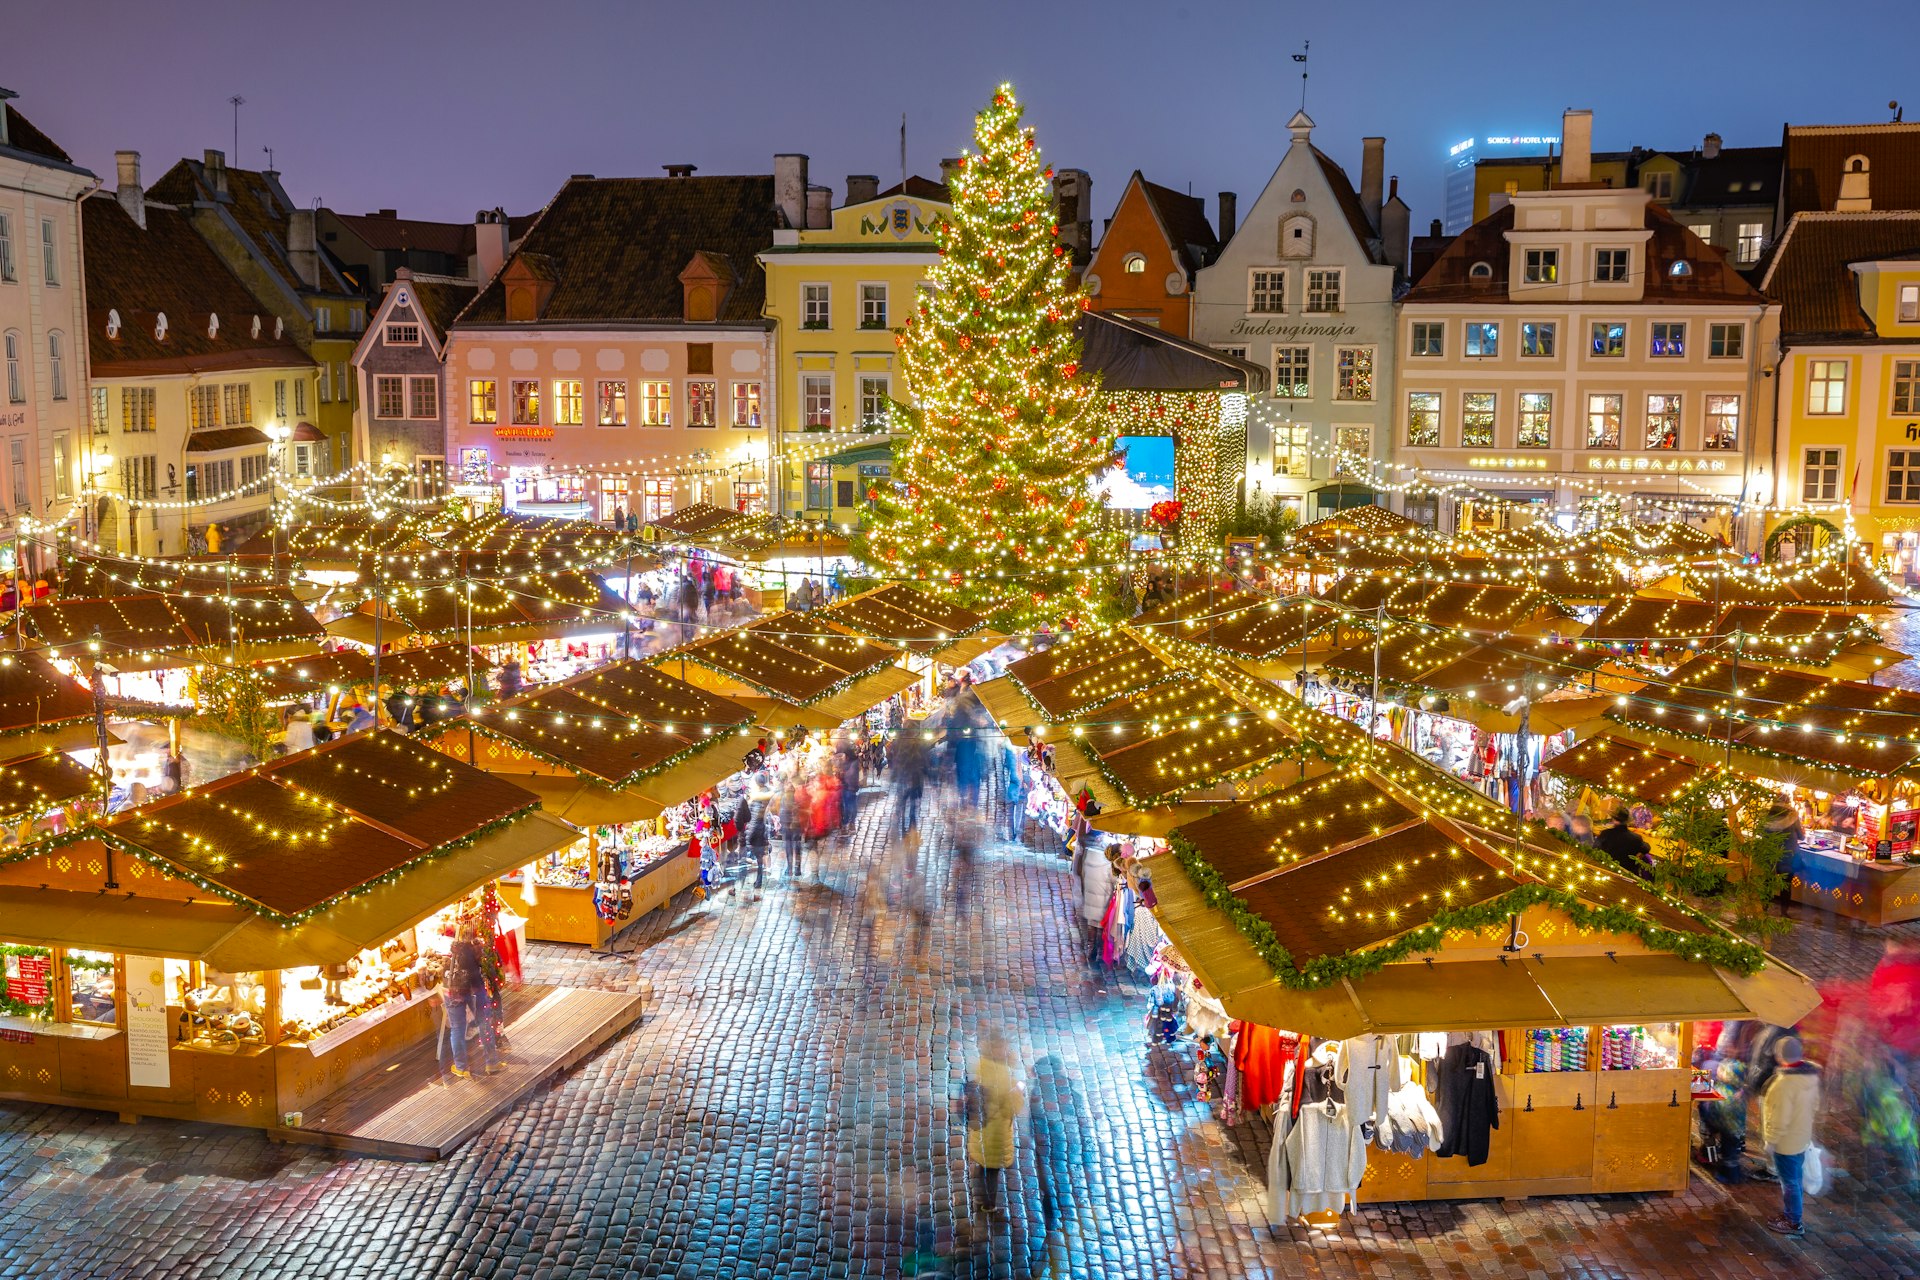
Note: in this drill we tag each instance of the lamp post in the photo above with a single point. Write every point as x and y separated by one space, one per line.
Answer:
278 433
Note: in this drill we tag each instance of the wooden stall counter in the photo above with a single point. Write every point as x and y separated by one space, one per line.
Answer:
1876 892
562 913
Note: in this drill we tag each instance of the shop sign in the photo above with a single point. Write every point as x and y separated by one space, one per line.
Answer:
148 1065
1510 464
476 465
1656 462
523 433
1250 328
27 978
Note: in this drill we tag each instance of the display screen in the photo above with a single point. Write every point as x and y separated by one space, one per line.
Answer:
1145 475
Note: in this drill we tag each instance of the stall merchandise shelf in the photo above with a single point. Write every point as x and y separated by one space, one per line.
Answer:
339 1035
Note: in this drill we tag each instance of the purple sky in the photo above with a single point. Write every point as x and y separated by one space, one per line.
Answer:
439 108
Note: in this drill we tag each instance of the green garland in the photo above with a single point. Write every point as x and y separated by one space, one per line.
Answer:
1722 952
81 962
1654 726
838 686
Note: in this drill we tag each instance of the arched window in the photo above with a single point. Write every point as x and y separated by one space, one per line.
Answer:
1480 271
1135 263
1680 268
57 363
113 323
16 385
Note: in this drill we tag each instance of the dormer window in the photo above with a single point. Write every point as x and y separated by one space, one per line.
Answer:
160 327
1480 271
1135 264
256 326
113 324
1680 268
213 326
1543 266
279 327
1610 265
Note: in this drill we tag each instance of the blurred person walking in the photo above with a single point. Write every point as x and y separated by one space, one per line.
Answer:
994 1100
1788 1106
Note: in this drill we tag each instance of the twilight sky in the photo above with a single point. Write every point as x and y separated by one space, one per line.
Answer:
440 107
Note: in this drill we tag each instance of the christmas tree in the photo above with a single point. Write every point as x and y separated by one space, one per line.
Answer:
993 503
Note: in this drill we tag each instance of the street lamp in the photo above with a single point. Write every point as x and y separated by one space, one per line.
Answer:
278 433
99 466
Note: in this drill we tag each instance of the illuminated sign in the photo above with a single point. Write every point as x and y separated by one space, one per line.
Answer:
1521 139
1644 462
1458 147
1510 464
523 433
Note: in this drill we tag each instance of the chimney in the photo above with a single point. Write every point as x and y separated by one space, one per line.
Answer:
1229 215
215 165
1373 168
819 208
131 195
1073 198
679 170
862 187
1576 147
387 213
949 167
1395 223
489 243
1436 228
301 253
790 188
1710 149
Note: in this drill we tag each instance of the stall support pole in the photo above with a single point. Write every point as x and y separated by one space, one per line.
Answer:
1379 636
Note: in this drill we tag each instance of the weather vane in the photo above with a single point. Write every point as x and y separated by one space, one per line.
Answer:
1301 58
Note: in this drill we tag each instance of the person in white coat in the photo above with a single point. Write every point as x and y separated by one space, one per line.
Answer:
1096 890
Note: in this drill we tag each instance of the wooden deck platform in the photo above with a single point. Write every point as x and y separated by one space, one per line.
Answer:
414 1110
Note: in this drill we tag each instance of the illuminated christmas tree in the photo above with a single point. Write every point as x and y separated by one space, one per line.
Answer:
994 501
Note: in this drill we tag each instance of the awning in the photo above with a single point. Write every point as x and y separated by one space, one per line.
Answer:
97 922
690 777
306 433
866 693
1008 704
358 627
226 438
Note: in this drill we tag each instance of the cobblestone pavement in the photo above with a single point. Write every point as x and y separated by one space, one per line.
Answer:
788 1108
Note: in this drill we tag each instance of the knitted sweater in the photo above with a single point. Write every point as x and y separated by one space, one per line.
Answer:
1325 1159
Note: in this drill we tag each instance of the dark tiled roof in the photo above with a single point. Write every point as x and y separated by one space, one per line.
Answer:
1349 203
439 301
260 207
1191 236
168 268
1808 274
1736 176
1817 154
400 234
615 248
1712 279
225 438
22 135
919 188
1130 356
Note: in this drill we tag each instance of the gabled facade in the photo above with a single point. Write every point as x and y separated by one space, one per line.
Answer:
836 293
1304 290
372 249
1579 347
43 325
270 243
400 365
1153 248
1848 284
619 360
193 383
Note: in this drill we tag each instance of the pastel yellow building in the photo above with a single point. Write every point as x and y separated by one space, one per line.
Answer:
836 290
1849 378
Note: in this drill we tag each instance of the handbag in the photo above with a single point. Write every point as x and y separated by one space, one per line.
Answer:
1813 1173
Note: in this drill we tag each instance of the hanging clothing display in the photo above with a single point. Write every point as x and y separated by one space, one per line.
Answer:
1278 1182
1410 1125
1468 1104
1267 1059
1318 1081
1326 1158
1368 1070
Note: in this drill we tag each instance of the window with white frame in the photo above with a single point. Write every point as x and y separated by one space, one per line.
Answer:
526 402
322 320
656 498
819 486
1238 353
423 397
57 364
389 396
1609 339
299 396
325 394
569 403
1605 409
16 379
7 272
1610 265
610 402
816 400
483 400
279 397
1906 386
1353 451
656 404
1483 337
49 253
1477 410
1423 418
1703 231
1293 372
815 306
1266 292
1429 338
1134 264
1542 266
1752 238
1353 373
1726 341
1539 338
876 401
1820 475
1826 386
203 407
703 407
746 404
873 306
1723 423
401 334
1668 340
139 476
1323 289
1293 450
62 465
1907 309
1536 420
1663 421
137 405
97 397
1903 475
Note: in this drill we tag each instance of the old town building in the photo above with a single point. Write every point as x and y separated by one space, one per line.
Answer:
1151 251
400 364
1578 347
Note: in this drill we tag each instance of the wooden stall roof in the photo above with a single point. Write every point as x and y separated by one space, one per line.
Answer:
614 724
1179 737
1244 624
1829 584
1640 619
433 664
692 521
1792 634
1659 540
1080 673
303 674
35 695
1620 767
1331 553
1406 654
1367 521
143 631
33 784
553 602
786 656
898 614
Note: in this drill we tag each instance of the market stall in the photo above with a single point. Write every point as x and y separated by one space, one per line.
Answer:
1400 938
237 952
613 752
793 672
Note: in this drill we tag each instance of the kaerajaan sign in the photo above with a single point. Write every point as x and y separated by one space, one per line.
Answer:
1645 462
